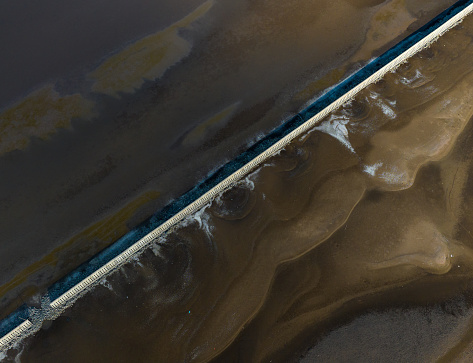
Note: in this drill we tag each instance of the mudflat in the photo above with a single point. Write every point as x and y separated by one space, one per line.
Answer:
111 110
353 242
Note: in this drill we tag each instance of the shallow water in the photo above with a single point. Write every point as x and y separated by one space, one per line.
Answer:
352 242
106 118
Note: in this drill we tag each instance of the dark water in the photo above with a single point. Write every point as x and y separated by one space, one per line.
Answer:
353 244
111 110
108 117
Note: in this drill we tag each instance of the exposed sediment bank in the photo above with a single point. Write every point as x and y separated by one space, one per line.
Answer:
374 202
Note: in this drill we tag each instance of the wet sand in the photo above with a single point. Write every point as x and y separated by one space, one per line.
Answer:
353 241
148 110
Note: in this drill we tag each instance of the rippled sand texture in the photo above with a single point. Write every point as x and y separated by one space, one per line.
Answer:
140 120
371 209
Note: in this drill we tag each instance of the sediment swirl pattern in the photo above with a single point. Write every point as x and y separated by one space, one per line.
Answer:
376 198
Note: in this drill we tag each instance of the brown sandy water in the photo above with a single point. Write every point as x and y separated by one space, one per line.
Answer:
105 118
353 244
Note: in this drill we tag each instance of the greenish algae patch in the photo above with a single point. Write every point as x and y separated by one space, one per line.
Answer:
331 78
146 59
99 235
388 23
197 134
39 114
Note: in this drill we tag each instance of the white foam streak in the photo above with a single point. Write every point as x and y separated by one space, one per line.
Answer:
371 169
336 127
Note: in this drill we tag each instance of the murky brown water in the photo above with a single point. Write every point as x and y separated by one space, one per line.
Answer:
350 244
105 118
